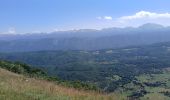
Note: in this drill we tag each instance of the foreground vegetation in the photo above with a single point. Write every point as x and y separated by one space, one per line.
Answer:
107 69
33 85
17 87
36 86
29 71
128 73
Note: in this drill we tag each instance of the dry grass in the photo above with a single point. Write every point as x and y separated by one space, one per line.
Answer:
17 87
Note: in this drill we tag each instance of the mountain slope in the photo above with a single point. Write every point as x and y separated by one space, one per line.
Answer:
140 72
19 87
108 69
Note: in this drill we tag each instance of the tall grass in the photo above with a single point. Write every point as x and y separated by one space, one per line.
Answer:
18 87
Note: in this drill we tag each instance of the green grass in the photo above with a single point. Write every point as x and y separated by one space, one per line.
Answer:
21 87
154 93
155 96
18 87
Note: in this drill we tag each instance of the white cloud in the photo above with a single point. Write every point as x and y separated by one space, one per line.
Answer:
11 30
143 17
108 17
146 15
59 29
105 18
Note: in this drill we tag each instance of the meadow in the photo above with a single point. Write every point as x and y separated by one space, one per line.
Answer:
19 87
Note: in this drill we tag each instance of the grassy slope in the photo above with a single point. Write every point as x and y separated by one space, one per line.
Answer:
18 87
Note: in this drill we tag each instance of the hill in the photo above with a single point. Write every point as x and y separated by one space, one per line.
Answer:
33 86
140 72
20 87
108 69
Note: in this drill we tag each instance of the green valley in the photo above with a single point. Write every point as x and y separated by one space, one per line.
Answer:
138 72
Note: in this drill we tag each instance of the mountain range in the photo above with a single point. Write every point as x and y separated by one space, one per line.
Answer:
85 39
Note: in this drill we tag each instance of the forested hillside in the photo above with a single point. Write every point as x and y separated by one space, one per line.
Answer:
108 69
32 84
32 72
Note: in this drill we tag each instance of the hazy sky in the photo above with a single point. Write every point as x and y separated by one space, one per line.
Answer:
22 16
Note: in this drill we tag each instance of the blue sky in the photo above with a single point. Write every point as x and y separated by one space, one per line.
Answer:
24 16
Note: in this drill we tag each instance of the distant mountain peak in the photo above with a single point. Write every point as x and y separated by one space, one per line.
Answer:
151 26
